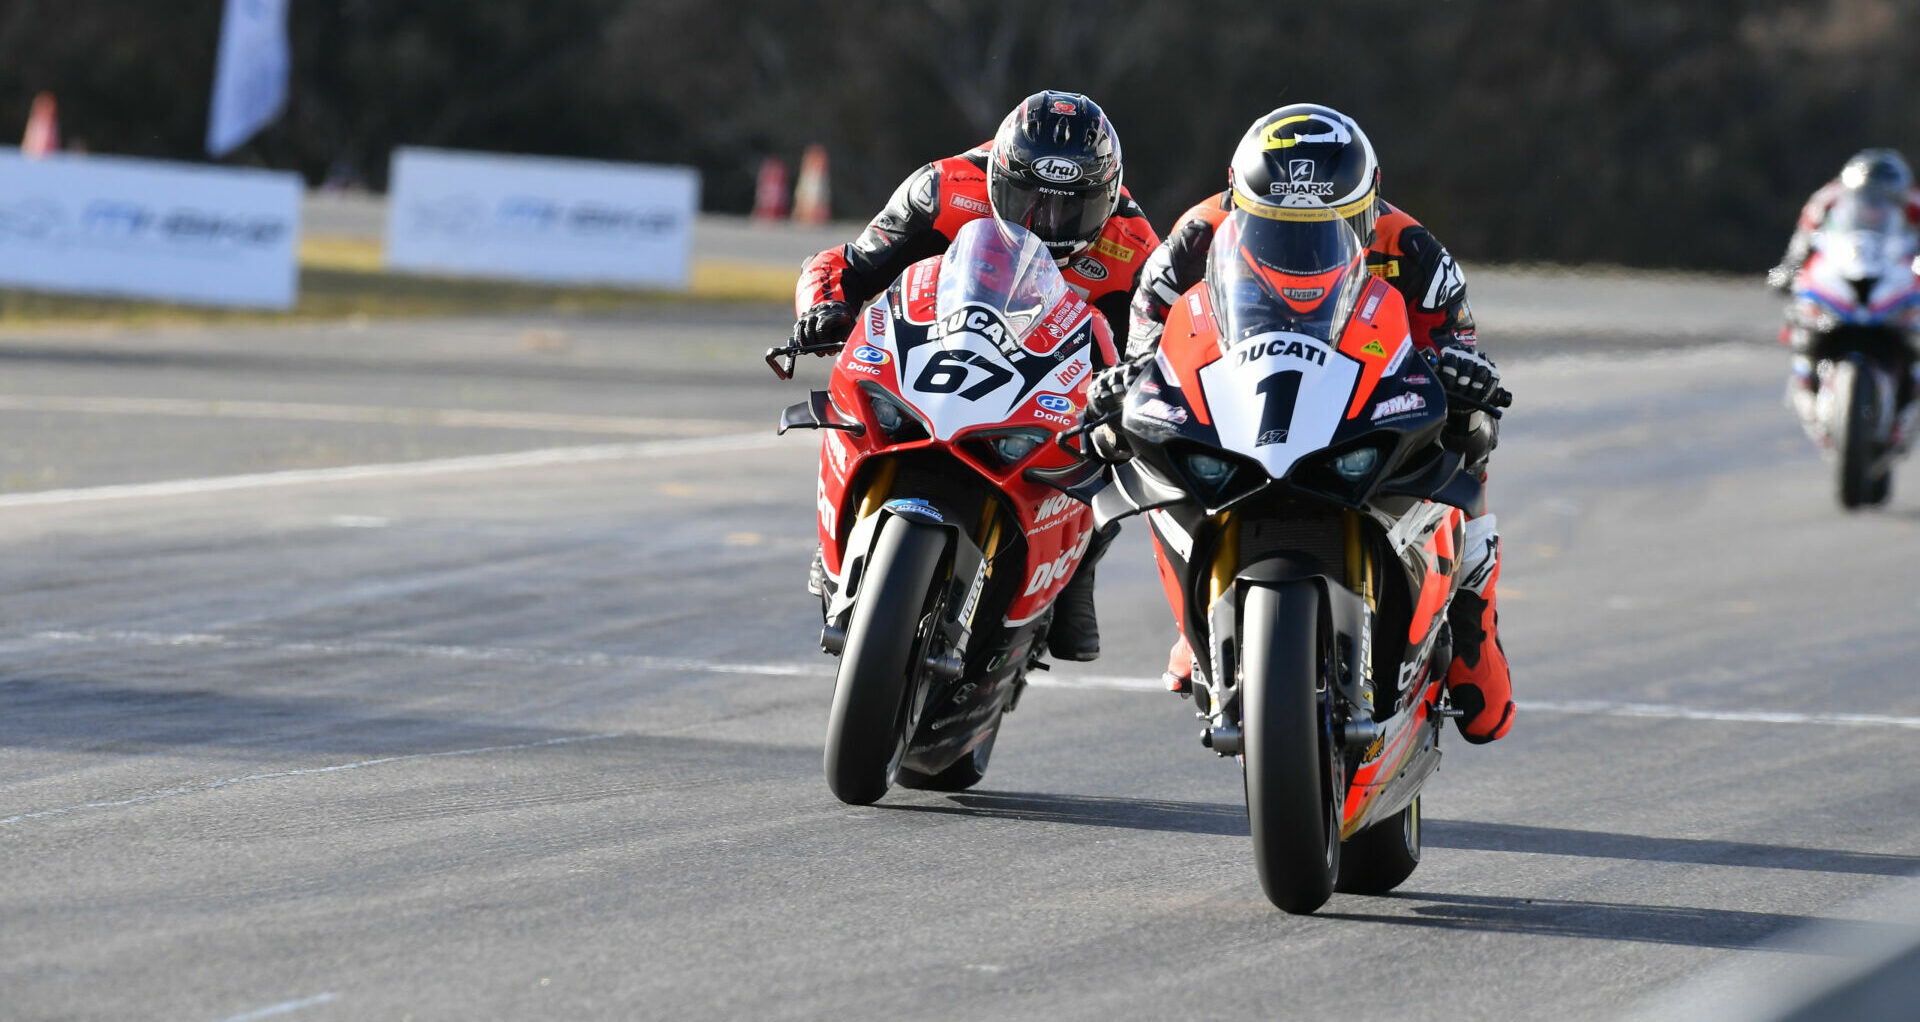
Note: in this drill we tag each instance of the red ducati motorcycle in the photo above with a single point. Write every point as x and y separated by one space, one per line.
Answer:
944 528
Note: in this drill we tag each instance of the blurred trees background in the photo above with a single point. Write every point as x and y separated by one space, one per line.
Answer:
1642 132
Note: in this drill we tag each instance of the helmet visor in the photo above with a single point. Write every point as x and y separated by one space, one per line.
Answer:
1057 215
1271 274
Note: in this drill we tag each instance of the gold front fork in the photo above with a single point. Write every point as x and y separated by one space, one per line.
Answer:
1226 556
878 489
1359 558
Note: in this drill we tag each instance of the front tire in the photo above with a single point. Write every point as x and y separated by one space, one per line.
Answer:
1288 757
1383 856
1856 401
871 721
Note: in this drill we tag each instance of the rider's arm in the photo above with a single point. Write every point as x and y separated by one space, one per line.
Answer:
901 235
1435 291
1176 265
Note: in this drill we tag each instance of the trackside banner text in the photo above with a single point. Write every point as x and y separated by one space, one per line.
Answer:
541 219
132 228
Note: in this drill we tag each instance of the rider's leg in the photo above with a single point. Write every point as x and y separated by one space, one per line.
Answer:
1075 634
1478 680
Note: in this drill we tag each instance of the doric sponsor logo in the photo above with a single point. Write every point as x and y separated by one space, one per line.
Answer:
1088 267
871 355
1057 169
1303 294
1398 405
1054 403
1283 348
861 367
971 204
1058 420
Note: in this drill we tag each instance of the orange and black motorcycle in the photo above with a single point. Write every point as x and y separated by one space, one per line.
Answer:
1307 521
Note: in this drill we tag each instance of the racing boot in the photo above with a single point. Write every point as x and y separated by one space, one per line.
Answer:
1477 680
1179 674
1075 633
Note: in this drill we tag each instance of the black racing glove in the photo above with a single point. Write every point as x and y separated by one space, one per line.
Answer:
1470 378
1107 391
826 323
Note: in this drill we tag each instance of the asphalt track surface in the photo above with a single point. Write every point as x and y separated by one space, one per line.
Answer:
463 670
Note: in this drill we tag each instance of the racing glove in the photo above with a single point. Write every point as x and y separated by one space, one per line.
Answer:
1469 376
1107 391
824 323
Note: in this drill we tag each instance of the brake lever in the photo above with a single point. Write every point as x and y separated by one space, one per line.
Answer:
1060 439
792 352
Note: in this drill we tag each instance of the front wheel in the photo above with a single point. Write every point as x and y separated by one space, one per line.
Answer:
873 696
1383 856
1857 407
1289 762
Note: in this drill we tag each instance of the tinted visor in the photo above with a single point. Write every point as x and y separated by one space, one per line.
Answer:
1055 214
1301 276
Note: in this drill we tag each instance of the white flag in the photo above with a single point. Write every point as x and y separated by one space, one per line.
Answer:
250 81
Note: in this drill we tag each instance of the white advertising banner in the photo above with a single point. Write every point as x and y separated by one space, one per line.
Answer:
541 219
149 229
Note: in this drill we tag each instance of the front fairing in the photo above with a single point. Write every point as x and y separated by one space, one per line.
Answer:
1300 378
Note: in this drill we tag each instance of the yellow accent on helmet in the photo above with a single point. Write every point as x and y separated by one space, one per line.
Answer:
1302 214
1271 135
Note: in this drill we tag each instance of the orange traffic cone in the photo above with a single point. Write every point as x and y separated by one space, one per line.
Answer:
43 128
810 199
770 191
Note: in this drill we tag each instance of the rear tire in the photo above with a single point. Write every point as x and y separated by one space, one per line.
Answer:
966 772
1288 757
871 721
1380 858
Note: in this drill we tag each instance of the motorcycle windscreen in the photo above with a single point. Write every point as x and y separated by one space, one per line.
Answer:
1282 289
1002 267
1865 237
986 354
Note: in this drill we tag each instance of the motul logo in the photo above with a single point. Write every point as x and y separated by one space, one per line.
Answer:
1052 506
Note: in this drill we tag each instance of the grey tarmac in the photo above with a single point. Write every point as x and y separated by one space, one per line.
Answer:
541 736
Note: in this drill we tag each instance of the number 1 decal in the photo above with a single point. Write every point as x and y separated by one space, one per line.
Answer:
1282 391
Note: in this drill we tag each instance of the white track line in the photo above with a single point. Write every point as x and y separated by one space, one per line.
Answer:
1663 711
396 470
284 1007
195 789
449 418
825 669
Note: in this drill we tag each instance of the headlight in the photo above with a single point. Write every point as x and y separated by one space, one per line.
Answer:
1209 470
896 420
1005 448
1355 465
1013 447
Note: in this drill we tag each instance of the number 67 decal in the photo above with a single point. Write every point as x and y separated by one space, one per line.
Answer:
947 371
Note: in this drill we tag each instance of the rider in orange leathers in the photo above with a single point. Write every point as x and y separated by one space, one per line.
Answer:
1315 148
1054 168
